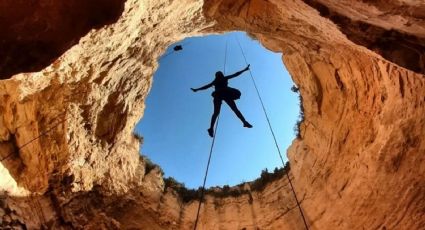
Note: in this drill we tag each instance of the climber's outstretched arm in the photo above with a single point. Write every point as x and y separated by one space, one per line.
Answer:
237 73
203 87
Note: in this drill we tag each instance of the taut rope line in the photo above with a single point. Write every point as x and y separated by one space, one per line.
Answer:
209 158
273 134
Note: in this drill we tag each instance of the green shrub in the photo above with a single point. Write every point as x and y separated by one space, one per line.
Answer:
267 177
149 165
259 184
138 136
184 193
297 127
295 89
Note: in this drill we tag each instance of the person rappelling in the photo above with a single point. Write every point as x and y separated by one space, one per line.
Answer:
225 93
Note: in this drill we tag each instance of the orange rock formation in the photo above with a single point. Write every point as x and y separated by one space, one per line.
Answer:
69 160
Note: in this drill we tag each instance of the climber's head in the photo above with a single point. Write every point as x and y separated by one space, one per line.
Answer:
219 74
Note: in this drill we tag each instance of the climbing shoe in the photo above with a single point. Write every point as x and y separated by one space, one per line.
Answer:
211 132
246 124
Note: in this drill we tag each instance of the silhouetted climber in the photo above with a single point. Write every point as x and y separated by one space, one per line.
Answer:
224 93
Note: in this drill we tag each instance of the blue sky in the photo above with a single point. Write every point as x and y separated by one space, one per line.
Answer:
176 119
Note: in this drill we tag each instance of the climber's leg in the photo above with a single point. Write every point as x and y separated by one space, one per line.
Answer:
217 108
238 113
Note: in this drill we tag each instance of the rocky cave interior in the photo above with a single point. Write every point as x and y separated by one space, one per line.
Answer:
182 159
75 77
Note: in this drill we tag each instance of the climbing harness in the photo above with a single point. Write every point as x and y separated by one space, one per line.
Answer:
272 133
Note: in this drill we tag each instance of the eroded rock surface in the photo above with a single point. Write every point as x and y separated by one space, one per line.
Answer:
36 32
393 29
69 159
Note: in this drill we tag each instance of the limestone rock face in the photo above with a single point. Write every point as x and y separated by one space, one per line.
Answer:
393 29
68 159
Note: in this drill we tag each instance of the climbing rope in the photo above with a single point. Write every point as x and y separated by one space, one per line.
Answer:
34 203
35 138
206 174
45 132
211 151
273 134
178 48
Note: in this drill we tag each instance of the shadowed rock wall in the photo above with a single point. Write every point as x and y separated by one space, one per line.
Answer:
357 165
36 32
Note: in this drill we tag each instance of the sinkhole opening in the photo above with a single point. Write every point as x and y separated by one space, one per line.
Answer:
176 119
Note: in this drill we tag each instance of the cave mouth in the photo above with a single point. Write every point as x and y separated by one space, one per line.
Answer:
175 122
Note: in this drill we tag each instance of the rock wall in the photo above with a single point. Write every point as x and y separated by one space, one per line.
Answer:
69 159
393 29
36 32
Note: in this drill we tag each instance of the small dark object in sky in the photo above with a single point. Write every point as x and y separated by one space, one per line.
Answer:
178 48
